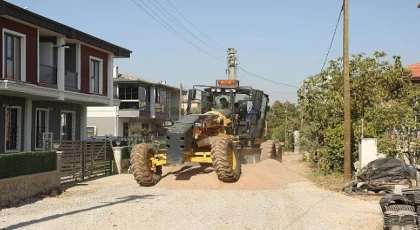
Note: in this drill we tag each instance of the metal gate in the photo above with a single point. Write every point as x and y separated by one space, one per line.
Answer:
81 160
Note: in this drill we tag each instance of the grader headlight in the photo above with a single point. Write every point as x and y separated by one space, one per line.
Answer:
199 124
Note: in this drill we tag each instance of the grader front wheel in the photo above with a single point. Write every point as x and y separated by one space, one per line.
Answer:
144 172
226 162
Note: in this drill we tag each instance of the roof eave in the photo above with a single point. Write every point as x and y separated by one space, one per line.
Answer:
14 11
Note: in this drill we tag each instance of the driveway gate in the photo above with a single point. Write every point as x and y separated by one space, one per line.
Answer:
81 160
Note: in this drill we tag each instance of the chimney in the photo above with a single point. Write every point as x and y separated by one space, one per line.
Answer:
115 72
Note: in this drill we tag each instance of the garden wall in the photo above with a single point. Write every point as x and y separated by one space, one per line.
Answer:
15 187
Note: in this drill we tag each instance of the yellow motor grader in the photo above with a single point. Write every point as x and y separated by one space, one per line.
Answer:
232 125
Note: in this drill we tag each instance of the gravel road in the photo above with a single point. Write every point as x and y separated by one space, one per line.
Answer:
278 198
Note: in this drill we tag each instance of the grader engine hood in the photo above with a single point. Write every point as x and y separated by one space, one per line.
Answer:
179 138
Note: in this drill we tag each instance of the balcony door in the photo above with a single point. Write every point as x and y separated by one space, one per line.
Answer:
12 56
95 76
68 120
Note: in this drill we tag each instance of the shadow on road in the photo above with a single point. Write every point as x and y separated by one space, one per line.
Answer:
71 184
298 218
186 172
56 216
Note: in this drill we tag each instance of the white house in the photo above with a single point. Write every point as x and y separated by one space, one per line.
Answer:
143 102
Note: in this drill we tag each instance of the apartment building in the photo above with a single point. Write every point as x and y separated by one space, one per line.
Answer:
143 102
50 73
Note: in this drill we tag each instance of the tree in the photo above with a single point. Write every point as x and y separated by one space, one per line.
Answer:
196 110
381 97
276 118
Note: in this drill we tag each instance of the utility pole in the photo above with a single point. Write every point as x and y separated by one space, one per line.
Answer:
285 128
180 100
301 115
231 63
347 121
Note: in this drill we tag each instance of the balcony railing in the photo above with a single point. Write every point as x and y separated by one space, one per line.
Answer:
167 116
47 75
144 113
71 80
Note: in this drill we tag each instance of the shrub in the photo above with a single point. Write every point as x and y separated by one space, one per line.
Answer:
26 163
125 152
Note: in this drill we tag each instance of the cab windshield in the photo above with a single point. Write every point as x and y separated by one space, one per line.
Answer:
222 103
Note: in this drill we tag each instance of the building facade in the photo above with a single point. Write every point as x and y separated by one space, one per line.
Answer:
50 73
143 102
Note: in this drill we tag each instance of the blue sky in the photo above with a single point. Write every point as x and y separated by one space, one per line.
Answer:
285 41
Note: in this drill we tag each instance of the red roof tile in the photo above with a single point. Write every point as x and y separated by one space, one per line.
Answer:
415 69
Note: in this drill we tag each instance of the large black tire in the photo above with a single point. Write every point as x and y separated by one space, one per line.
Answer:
268 150
226 160
141 165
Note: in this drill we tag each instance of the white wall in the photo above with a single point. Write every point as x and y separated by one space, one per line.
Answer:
368 151
102 111
103 118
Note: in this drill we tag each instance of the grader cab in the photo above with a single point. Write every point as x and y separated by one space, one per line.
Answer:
232 125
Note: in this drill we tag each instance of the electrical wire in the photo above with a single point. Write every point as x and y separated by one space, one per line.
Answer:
277 83
223 47
332 40
172 30
284 92
173 19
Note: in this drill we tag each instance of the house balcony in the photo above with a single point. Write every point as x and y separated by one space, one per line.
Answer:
134 113
71 80
145 113
48 75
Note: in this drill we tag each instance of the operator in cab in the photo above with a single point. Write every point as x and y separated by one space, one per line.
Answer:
224 103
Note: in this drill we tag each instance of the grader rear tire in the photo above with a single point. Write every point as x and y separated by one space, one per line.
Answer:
226 161
141 165
268 150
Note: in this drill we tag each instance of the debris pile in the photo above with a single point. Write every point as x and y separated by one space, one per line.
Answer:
380 175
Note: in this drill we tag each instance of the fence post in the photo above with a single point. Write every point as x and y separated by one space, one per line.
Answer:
58 168
84 149
105 157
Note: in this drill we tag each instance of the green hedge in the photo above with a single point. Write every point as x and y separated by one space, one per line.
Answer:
26 163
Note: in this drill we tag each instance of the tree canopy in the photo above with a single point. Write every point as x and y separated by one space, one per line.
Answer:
382 96
278 128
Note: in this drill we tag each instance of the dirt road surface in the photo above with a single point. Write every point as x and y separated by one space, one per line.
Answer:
270 195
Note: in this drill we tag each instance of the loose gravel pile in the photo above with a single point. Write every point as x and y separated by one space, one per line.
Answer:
275 198
267 175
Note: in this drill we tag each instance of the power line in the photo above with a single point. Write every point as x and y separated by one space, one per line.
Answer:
332 40
284 92
172 30
277 83
173 19
223 47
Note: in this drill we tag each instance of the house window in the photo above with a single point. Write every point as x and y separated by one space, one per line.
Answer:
41 126
67 125
13 122
90 131
145 126
12 56
157 95
125 129
95 75
128 92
